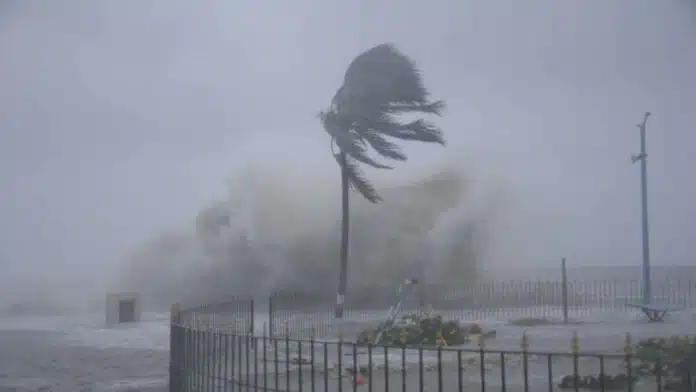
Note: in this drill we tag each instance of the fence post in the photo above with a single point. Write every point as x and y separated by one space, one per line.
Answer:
253 316
271 304
174 351
564 290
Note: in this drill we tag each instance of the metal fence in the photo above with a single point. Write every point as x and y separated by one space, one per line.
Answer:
306 314
219 347
216 359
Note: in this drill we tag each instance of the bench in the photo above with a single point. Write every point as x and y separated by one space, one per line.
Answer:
655 312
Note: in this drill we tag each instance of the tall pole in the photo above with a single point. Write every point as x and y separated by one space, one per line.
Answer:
564 290
643 159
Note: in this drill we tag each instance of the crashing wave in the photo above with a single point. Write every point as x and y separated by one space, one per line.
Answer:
269 235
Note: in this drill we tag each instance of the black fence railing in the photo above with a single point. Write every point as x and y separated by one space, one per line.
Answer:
293 344
215 360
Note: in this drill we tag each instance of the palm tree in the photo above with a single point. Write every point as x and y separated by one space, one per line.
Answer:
379 85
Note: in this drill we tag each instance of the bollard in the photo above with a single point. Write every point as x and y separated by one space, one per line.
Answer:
404 337
175 314
628 345
439 339
524 342
371 335
575 343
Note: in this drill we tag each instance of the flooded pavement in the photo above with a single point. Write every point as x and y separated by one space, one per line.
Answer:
75 354
79 353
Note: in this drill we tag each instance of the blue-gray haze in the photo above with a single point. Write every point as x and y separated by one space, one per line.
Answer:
122 120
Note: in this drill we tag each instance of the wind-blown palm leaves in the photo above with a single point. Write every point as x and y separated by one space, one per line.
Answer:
379 85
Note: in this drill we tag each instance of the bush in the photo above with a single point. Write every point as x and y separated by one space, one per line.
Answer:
673 359
416 329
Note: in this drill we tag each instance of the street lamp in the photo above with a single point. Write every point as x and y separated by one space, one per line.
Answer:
642 158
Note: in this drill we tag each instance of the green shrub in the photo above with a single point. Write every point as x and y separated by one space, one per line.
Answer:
673 359
416 329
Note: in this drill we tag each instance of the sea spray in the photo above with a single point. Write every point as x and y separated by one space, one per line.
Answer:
277 231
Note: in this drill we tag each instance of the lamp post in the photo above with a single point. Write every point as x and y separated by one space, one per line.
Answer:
642 158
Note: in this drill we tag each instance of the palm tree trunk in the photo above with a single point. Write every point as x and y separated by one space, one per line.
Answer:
345 237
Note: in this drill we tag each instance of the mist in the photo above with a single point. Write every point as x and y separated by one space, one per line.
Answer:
122 123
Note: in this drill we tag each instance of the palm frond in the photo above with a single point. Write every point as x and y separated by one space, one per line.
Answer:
379 77
381 145
357 180
436 108
348 141
379 84
418 130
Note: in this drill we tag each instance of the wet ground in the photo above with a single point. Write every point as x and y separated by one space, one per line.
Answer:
79 353
75 354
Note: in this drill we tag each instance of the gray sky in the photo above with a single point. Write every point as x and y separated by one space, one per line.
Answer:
120 119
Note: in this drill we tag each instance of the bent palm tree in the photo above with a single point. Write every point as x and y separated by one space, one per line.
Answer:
379 85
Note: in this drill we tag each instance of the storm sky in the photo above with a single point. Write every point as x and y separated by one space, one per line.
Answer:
121 119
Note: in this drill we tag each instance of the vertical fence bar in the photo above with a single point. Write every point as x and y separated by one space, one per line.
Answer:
247 361
628 352
524 345
403 367
300 361
369 366
503 381
226 360
217 363
200 380
420 369
340 360
460 381
264 347
233 354
287 360
386 368
575 348
208 371
271 308
601 373
240 339
439 369
326 365
549 364
482 359
254 344
276 370
564 289
252 316
311 364
174 368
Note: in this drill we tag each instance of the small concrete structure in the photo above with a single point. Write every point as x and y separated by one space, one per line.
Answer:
122 308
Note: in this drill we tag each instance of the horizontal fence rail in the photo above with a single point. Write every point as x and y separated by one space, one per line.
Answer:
291 342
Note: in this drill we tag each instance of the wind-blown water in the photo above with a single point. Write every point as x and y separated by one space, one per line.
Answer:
277 231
